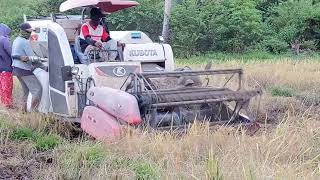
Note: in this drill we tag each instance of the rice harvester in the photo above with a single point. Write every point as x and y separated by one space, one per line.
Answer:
142 87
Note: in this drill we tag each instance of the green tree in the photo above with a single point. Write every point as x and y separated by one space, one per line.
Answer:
266 5
147 17
12 12
293 23
46 7
236 25
190 33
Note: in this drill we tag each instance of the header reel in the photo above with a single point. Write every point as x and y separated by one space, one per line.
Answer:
176 99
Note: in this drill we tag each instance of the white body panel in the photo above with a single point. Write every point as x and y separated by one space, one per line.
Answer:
63 43
169 64
126 37
64 50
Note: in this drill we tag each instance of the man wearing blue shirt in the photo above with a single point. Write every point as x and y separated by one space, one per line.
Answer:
23 68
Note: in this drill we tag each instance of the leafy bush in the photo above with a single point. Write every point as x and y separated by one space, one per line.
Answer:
236 24
275 45
46 7
293 21
147 17
208 25
11 12
190 29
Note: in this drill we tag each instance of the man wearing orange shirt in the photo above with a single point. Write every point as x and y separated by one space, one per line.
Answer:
95 36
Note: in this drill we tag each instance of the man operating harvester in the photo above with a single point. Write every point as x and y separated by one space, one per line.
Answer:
23 66
95 37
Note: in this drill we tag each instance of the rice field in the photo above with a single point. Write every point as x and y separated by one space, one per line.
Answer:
286 147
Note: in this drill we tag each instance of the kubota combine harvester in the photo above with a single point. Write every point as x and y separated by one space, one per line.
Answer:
141 88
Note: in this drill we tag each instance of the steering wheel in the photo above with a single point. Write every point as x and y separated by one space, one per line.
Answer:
98 55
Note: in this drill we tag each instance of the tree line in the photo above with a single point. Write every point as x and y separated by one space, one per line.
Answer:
236 26
201 26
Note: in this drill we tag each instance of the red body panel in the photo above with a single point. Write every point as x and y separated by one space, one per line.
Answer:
118 103
99 124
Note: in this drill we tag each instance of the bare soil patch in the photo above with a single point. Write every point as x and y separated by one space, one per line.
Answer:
17 164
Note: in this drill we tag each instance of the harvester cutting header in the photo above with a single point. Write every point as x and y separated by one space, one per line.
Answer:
127 79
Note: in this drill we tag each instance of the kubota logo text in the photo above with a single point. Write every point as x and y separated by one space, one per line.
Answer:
143 53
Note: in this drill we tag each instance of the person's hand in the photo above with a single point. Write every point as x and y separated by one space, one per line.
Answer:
98 44
24 58
119 44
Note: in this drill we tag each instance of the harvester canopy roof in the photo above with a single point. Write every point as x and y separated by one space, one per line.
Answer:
108 6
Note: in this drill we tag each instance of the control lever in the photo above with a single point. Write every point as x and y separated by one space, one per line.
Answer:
35 59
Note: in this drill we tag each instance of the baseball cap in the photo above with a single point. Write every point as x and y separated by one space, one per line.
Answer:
25 26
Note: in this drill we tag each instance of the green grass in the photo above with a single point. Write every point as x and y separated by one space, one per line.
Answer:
94 155
249 174
42 142
279 91
145 171
74 158
86 154
213 169
47 142
23 134
4 125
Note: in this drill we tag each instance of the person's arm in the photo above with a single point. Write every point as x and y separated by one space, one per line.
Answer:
28 56
28 50
86 34
105 25
21 58
105 35
7 47
90 41
18 46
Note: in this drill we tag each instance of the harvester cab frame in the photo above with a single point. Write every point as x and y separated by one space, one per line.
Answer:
143 87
